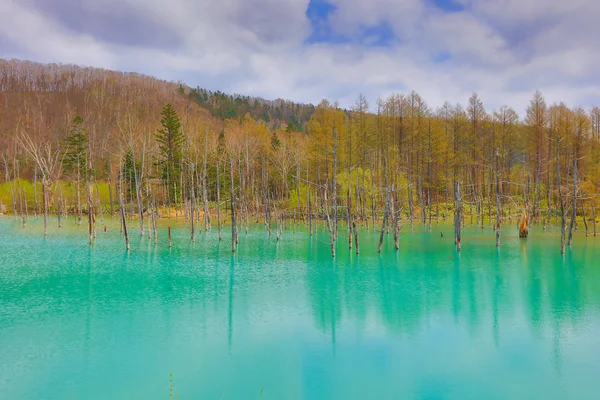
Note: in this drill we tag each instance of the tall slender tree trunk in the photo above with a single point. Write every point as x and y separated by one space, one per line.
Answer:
192 204
219 226
498 203
457 216
60 205
138 195
334 182
585 224
574 207
594 217
78 193
384 220
394 212
372 196
348 217
90 214
45 199
330 223
35 197
233 209
154 222
563 222
411 207
204 189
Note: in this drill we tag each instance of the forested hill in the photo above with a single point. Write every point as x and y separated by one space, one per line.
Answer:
275 113
134 132
74 87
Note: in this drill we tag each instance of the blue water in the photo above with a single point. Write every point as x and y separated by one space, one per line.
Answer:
284 318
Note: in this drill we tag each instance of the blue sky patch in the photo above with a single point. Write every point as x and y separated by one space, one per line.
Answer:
442 58
319 10
318 13
448 5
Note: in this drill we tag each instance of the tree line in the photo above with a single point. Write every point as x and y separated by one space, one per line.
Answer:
161 154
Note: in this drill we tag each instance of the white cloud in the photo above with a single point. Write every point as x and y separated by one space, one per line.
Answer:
502 49
49 41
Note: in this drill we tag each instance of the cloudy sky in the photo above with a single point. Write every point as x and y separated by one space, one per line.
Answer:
307 50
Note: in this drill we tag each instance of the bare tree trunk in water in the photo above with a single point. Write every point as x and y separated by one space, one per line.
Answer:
192 204
355 236
574 208
587 234
204 191
372 196
90 215
45 199
59 205
393 202
308 204
154 221
563 220
79 213
334 183
123 221
384 220
330 225
457 216
594 217
233 209
498 204
35 198
387 202
411 207
26 217
348 217
219 202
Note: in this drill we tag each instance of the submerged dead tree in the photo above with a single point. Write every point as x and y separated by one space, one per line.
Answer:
234 228
48 158
122 212
204 185
387 203
219 225
594 218
563 220
498 204
91 214
574 206
585 224
192 202
395 213
524 223
384 221
457 215
330 224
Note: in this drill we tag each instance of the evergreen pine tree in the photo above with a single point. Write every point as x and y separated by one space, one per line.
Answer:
171 139
275 142
75 160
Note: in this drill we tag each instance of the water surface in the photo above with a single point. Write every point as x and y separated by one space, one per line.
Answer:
81 322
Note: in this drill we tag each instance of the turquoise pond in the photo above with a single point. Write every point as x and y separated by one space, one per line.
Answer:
285 319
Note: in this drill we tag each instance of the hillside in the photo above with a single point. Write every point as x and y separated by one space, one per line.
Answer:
156 141
275 113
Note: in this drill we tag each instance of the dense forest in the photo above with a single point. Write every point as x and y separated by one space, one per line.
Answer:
275 114
86 142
